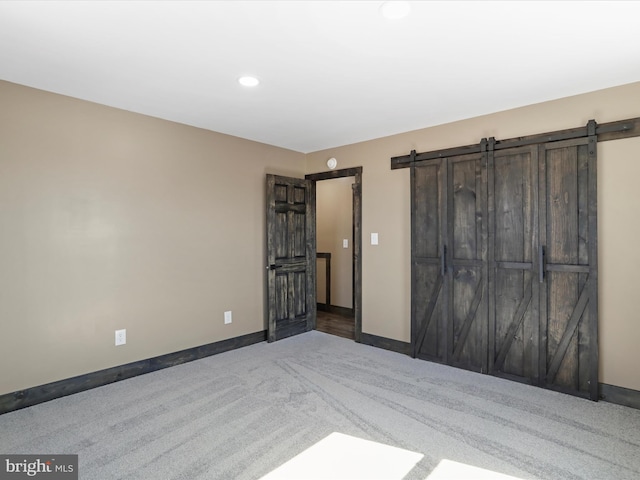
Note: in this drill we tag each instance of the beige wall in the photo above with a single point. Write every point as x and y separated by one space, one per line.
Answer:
385 203
619 261
334 222
110 220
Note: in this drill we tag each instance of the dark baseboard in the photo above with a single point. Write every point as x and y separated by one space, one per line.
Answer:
342 311
386 343
619 395
43 393
50 391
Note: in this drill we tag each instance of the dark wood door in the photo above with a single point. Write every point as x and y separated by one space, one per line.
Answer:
449 285
513 252
568 266
467 260
291 256
428 239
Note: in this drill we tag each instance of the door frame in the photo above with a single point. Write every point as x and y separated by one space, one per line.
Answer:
355 172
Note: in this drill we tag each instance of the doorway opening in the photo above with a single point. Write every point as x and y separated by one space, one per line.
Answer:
339 247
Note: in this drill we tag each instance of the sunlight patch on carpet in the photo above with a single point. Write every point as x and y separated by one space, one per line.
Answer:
342 456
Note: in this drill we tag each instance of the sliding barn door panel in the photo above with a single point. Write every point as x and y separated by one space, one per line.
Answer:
428 263
467 234
514 332
567 196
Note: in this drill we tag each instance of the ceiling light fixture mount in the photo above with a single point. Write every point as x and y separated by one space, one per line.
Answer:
248 81
395 10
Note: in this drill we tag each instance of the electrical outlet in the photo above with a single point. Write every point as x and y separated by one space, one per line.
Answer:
227 317
121 337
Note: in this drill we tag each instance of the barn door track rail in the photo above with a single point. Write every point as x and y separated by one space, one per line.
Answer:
604 132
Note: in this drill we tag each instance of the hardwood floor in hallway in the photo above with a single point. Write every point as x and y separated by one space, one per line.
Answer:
336 324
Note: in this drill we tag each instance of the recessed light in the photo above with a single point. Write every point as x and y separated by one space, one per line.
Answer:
248 81
394 10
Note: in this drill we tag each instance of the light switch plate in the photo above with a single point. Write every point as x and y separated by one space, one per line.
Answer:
227 317
345 243
374 239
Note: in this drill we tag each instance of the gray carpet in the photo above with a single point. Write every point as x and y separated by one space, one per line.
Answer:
243 414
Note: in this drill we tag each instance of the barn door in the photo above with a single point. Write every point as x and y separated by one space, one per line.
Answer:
467 260
428 246
513 254
449 275
568 266
291 256
504 258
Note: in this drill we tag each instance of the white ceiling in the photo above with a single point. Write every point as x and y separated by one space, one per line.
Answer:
332 73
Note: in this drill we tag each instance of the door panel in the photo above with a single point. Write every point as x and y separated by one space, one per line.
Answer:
467 309
429 312
514 317
428 205
468 318
515 326
568 296
428 327
291 256
466 212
